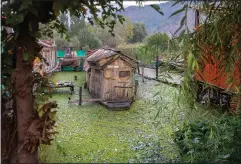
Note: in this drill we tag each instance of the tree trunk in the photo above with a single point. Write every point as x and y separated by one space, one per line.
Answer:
22 79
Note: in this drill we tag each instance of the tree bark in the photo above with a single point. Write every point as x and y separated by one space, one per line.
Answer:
22 79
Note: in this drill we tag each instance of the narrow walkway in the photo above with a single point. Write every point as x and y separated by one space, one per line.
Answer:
169 77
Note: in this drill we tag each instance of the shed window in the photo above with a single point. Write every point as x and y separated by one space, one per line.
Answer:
124 73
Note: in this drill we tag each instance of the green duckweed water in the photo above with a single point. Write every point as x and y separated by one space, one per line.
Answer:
92 133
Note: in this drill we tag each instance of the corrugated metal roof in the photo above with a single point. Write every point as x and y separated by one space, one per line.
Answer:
105 53
44 44
101 53
91 52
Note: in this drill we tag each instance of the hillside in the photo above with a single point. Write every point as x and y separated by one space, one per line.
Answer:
154 21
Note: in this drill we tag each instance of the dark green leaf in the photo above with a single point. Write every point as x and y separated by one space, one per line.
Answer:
25 4
157 8
175 3
37 34
34 11
181 24
15 19
180 10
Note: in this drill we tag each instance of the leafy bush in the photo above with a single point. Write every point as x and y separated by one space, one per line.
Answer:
203 141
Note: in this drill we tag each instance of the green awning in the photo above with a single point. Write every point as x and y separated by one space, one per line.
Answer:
60 53
81 53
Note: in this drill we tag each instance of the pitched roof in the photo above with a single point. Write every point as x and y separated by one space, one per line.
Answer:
105 53
101 54
91 52
46 43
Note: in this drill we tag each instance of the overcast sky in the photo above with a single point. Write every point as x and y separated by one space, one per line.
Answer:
133 3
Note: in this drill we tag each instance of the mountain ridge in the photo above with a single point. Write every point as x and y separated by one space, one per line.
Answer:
155 22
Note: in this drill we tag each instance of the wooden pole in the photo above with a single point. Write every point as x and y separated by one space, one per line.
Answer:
196 18
72 88
80 95
142 68
157 64
138 68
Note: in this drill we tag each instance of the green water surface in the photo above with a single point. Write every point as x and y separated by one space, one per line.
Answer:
92 133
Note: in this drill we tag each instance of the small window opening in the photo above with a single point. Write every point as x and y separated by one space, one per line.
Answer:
124 73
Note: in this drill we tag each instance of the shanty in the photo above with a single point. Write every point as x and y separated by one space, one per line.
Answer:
110 77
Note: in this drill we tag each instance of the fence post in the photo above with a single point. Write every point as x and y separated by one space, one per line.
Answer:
138 68
142 68
80 95
157 64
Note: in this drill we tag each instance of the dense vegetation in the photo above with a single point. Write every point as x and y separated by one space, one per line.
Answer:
25 129
29 123
83 35
219 36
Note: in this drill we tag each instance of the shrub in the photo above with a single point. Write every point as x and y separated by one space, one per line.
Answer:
203 141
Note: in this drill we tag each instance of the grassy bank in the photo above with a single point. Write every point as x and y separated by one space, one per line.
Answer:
91 133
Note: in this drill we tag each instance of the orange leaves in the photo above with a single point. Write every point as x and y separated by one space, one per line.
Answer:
83 9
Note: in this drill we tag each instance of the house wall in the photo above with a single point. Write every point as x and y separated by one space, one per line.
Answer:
87 77
113 82
53 58
49 54
95 83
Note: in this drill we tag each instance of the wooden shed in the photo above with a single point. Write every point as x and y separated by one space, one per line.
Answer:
110 77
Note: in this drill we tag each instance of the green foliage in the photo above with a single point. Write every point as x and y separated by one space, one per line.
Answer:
217 37
139 33
146 55
79 32
216 141
128 30
157 8
184 19
148 150
137 51
46 12
63 18
106 10
123 32
24 17
76 24
86 38
89 37
158 44
159 41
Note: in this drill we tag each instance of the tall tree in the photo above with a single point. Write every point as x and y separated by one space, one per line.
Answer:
63 18
123 32
139 33
24 17
87 39
79 34
158 40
